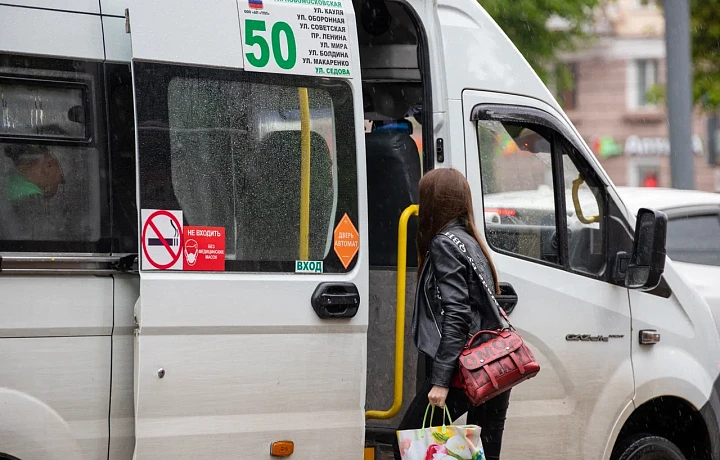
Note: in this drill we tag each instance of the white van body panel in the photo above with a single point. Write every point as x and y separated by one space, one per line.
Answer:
181 32
33 31
49 306
114 7
64 381
32 430
118 46
478 55
55 349
454 145
674 366
122 416
260 401
79 6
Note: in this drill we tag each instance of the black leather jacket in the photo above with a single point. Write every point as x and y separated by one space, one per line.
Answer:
451 304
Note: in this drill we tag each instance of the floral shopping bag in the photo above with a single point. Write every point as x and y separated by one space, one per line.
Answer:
454 442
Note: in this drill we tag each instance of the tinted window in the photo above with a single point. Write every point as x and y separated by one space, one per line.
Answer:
121 125
694 239
226 147
53 163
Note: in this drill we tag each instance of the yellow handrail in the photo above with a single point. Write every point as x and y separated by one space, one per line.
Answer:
576 202
304 174
411 210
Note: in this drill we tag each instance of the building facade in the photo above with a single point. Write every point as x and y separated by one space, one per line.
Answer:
611 101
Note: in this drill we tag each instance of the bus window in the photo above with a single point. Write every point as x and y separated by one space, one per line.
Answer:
225 148
53 194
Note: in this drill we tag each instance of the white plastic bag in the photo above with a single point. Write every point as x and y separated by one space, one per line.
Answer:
454 442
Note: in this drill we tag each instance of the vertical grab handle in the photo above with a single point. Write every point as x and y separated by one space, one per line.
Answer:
410 211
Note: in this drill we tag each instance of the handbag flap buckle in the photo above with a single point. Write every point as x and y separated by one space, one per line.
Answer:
491 350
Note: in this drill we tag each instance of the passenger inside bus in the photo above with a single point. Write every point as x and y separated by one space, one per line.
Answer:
37 173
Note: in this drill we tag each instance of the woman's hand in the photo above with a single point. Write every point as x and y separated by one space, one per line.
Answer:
438 395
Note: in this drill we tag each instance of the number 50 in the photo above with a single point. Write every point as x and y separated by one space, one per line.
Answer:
253 28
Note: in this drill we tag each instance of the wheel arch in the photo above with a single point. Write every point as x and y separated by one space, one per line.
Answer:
30 428
670 417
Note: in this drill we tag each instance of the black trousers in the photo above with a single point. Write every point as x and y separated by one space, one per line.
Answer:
490 416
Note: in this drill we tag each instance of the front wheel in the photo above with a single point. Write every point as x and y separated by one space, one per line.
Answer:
646 447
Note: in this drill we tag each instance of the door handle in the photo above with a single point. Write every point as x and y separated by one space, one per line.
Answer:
336 300
507 298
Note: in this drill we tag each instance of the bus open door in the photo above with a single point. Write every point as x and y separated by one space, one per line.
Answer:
252 315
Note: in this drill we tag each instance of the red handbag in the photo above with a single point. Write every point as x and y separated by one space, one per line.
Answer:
493 367
500 361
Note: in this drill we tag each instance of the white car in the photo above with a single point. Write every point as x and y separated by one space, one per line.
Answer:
693 231
693 234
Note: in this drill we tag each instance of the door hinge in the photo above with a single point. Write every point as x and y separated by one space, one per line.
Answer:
127 20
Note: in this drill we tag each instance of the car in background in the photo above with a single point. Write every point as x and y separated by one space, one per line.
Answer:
693 231
693 234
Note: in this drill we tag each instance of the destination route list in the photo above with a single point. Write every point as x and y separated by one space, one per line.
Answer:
329 34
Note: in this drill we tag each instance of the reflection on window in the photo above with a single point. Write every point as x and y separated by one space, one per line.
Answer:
236 152
519 202
694 239
31 109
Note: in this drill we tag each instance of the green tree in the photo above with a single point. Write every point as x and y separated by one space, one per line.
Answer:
705 28
705 43
526 23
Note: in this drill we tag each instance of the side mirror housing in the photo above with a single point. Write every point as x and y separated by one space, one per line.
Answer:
647 262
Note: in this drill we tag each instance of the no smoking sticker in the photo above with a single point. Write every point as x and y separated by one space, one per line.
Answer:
162 240
204 249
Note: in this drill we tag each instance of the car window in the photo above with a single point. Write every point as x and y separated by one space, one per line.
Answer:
534 183
584 204
519 202
694 239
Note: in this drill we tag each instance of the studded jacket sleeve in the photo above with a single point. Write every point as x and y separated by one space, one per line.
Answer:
451 275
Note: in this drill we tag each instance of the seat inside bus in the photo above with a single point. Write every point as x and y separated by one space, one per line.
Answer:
393 170
276 160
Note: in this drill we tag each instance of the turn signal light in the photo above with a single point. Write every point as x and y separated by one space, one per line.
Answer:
282 448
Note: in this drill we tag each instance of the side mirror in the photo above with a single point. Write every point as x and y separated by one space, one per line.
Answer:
647 262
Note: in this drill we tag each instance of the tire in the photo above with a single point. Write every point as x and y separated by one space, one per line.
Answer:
647 447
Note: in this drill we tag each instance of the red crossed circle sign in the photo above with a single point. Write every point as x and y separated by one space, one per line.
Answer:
173 256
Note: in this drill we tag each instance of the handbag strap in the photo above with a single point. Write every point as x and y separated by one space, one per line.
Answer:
461 246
